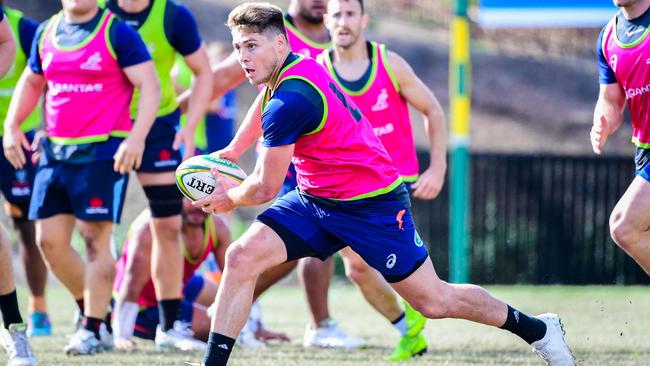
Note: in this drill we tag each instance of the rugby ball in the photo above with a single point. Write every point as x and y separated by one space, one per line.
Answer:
195 180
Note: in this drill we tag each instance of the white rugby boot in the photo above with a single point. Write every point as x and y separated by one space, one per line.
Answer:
14 341
553 349
179 338
329 335
83 343
106 338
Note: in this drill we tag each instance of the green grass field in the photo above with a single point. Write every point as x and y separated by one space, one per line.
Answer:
605 326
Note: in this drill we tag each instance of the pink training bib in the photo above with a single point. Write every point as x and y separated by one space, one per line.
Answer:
386 109
342 158
88 93
631 65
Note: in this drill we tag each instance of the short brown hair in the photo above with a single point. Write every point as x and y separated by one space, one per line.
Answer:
257 18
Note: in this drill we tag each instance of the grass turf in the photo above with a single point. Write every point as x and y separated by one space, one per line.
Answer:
605 326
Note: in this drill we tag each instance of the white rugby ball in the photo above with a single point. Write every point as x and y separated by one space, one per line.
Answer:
195 180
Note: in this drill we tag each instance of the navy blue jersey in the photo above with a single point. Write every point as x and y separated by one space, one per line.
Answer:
126 42
180 26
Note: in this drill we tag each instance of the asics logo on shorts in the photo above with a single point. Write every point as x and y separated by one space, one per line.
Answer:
390 263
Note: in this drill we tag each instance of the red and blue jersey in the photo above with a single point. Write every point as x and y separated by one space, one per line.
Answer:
147 297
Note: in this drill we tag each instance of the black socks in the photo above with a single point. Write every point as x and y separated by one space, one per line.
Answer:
219 348
530 329
168 310
9 309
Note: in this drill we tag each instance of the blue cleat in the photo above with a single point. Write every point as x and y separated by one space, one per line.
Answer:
39 325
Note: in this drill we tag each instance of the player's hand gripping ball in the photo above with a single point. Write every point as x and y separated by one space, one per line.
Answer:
195 180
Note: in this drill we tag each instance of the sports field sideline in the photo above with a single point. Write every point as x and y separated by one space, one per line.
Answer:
605 326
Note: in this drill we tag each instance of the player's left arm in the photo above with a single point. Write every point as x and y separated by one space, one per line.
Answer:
422 98
186 40
260 187
224 238
7 47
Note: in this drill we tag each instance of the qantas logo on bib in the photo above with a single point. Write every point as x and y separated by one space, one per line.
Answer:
92 63
382 101
96 207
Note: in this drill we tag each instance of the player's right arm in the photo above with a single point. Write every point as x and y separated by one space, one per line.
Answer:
7 47
26 96
608 113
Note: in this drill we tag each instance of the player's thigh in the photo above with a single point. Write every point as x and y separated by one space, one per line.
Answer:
295 220
257 250
423 288
54 232
351 259
634 206
96 234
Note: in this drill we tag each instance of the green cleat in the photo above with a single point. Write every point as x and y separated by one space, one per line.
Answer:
414 321
408 347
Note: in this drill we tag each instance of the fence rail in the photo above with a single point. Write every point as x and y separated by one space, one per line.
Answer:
537 219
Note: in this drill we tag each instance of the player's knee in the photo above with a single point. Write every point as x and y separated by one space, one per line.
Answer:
357 271
48 245
164 200
437 302
432 308
622 231
241 262
95 247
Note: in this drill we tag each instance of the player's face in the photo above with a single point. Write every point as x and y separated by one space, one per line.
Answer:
312 10
258 53
192 216
79 6
345 21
